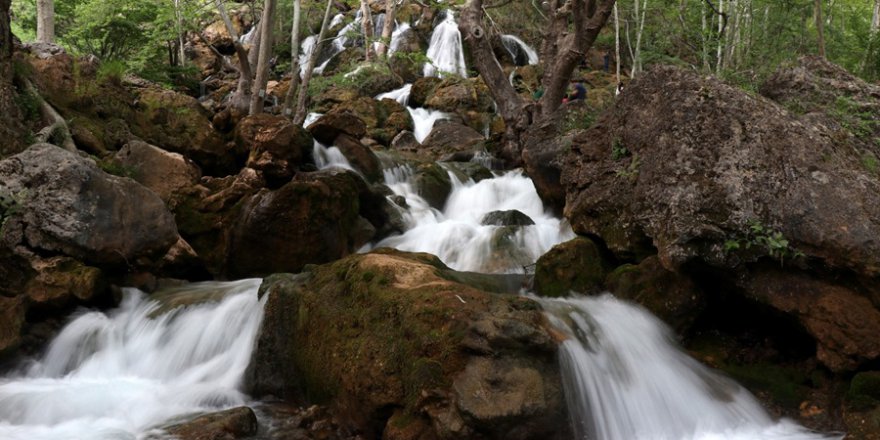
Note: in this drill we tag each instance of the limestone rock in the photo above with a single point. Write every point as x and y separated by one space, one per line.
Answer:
448 137
328 127
69 206
507 218
574 266
276 147
391 330
229 424
166 174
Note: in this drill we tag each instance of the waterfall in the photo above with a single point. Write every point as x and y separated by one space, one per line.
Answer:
445 51
624 378
400 95
456 234
521 52
118 375
423 121
397 37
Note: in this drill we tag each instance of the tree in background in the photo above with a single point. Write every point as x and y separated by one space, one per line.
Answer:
258 95
572 27
46 21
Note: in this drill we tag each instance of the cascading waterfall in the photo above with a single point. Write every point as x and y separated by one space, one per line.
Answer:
397 37
400 95
624 378
423 119
121 374
521 52
445 50
456 234
326 157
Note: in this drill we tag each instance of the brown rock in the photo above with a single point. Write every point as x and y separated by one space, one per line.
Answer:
328 127
166 174
59 281
277 147
448 137
360 157
12 312
230 424
844 323
576 266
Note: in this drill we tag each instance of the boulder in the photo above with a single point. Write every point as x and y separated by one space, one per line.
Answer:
507 218
360 157
405 141
309 220
448 137
844 323
391 342
276 147
166 174
422 89
643 177
12 312
68 206
61 281
328 127
576 266
332 96
670 296
432 182
207 213
178 123
456 95
230 424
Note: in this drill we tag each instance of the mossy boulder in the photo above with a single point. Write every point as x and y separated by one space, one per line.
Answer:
310 220
432 183
275 146
674 298
574 266
422 90
449 137
507 218
360 157
864 390
388 340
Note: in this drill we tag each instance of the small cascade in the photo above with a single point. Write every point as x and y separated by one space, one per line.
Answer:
324 156
445 50
248 38
423 121
118 375
624 378
397 37
521 52
400 95
456 234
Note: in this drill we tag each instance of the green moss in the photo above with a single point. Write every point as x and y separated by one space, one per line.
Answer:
786 386
864 390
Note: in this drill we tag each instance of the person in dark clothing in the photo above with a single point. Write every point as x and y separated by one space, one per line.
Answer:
580 92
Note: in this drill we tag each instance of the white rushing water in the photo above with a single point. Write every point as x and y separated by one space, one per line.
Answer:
445 50
624 378
514 46
456 234
120 374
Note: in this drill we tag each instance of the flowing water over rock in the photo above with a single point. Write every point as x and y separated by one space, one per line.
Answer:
624 378
445 51
456 234
119 375
521 52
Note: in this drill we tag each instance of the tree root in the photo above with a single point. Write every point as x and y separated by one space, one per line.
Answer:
57 131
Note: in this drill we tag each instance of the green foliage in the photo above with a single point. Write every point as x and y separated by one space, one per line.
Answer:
109 166
10 204
857 120
869 161
769 240
618 150
28 104
631 172
111 71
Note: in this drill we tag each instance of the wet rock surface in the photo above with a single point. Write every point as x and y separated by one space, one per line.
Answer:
392 344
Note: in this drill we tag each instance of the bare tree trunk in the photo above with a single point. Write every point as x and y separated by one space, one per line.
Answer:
367 25
46 21
258 95
720 54
820 28
705 35
294 59
180 33
617 42
637 61
299 115
875 20
245 75
388 28
571 30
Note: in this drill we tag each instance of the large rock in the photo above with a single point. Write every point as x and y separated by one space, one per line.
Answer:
391 342
721 185
448 137
166 174
312 219
12 312
276 147
360 157
230 424
337 122
69 206
689 165
576 266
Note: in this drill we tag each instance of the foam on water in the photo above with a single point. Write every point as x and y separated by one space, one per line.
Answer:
624 378
120 374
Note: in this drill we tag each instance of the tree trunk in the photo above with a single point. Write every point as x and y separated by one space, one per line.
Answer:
181 34
46 21
875 20
294 59
617 43
300 115
570 31
245 75
367 25
820 28
388 28
258 95
720 53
